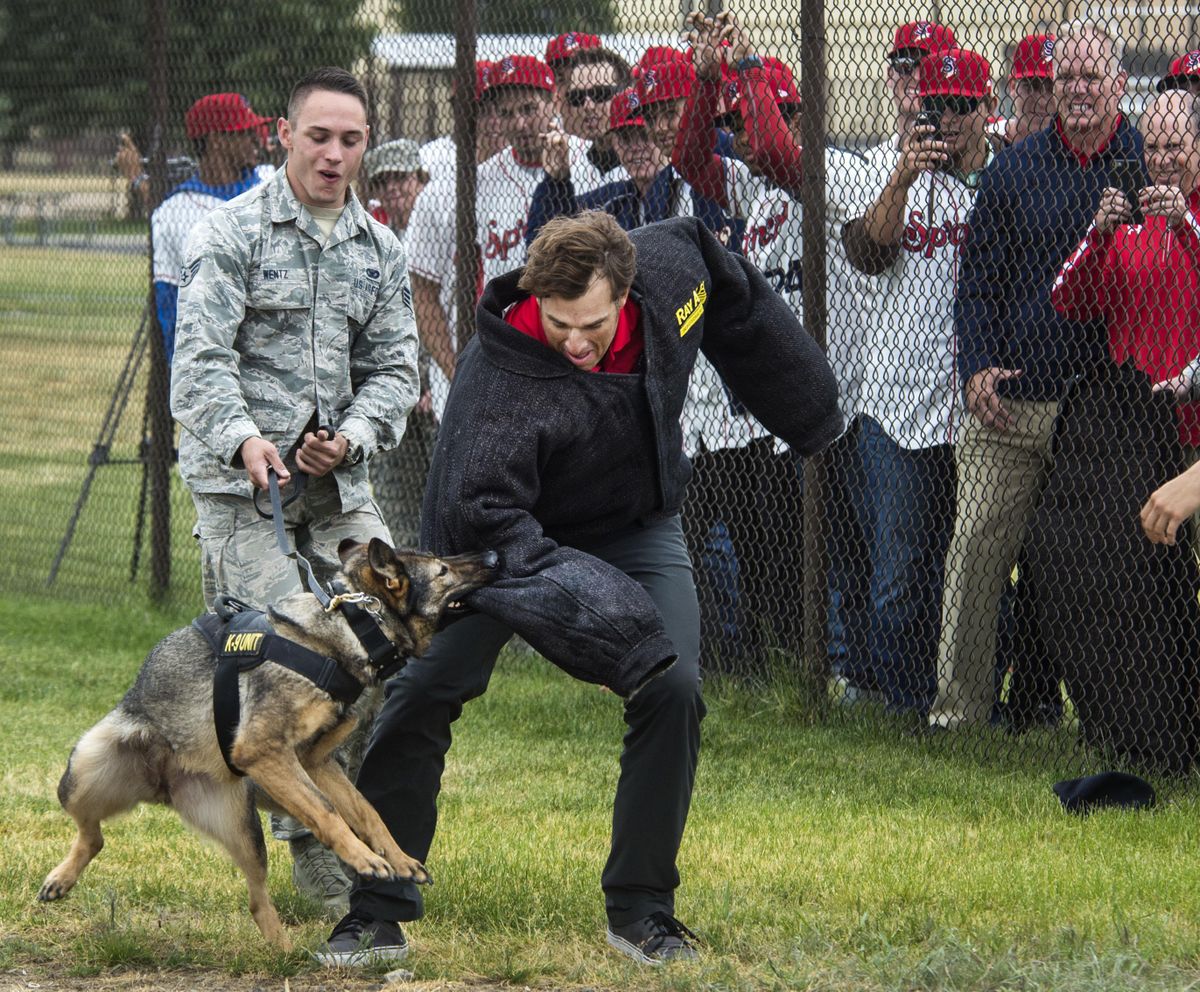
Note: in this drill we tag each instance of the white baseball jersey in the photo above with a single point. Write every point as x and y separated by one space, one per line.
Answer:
431 254
504 193
170 226
911 389
437 158
774 242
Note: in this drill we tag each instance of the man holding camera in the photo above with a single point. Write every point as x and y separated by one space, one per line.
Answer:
909 238
1015 353
1141 273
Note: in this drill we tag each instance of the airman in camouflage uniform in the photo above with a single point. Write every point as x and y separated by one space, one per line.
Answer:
284 326
265 317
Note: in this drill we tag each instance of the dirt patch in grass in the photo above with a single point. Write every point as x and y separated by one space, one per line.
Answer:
58 979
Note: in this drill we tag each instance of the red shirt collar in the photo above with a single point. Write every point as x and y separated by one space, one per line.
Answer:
1081 157
623 354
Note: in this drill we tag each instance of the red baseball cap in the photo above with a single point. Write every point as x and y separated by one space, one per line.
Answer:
662 54
625 110
520 70
925 36
955 72
1183 70
483 76
664 81
782 80
564 46
1033 58
221 112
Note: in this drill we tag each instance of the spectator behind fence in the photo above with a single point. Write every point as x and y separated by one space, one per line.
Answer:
518 92
1031 89
642 198
663 78
773 241
586 80
1015 352
294 314
911 42
1143 279
765 125
573 387
1184 74
393 181
909 237
431 244
438 155
394 177
224 135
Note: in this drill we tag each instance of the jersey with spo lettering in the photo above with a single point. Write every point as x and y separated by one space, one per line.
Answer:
431 255
774 242
912 390
504 194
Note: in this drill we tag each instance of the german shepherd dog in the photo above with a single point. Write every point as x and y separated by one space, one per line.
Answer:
160 744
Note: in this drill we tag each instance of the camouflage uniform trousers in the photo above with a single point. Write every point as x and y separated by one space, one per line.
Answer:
240 558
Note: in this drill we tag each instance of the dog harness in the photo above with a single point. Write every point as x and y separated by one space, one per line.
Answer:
242 639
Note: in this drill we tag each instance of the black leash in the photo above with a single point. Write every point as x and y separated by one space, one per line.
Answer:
299 480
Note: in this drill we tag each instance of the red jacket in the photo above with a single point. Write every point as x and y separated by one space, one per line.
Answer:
1144 280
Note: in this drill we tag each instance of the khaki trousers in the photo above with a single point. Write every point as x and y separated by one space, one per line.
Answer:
1001 473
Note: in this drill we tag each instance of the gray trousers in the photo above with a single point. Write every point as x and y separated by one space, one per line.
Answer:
402 770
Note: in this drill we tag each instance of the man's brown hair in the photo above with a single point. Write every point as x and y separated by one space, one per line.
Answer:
570 253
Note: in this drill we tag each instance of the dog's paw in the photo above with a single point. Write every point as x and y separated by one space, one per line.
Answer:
413 871
372 865
52 889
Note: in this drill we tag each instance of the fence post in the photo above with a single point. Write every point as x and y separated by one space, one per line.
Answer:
812 201
466 263
157 448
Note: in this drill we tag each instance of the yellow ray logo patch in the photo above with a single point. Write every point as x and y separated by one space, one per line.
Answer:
692 309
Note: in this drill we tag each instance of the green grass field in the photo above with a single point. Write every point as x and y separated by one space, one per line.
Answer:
69 319
822 854
836 856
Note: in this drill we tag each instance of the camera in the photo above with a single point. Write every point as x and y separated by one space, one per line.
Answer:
930 116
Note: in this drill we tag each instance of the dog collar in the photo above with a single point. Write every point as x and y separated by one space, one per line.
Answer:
381 652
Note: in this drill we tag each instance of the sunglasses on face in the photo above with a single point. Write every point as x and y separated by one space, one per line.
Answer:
597 94
960 106
904 65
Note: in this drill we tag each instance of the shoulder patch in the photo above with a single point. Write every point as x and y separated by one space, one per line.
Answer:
188 272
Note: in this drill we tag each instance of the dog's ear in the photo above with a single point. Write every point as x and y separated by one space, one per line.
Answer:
388 567
382 557
346 548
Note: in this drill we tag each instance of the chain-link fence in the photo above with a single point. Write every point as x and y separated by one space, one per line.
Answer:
985 214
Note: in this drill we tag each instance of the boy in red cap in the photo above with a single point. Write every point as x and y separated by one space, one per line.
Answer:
911 42
587 76
1031 89
909 239
438 155
224 132
643 198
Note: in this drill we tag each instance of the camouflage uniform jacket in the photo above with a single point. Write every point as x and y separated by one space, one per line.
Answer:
272 322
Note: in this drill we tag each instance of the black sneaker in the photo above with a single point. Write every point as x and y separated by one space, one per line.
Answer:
357 941
654 940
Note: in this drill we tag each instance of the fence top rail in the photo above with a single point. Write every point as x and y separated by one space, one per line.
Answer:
436 51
